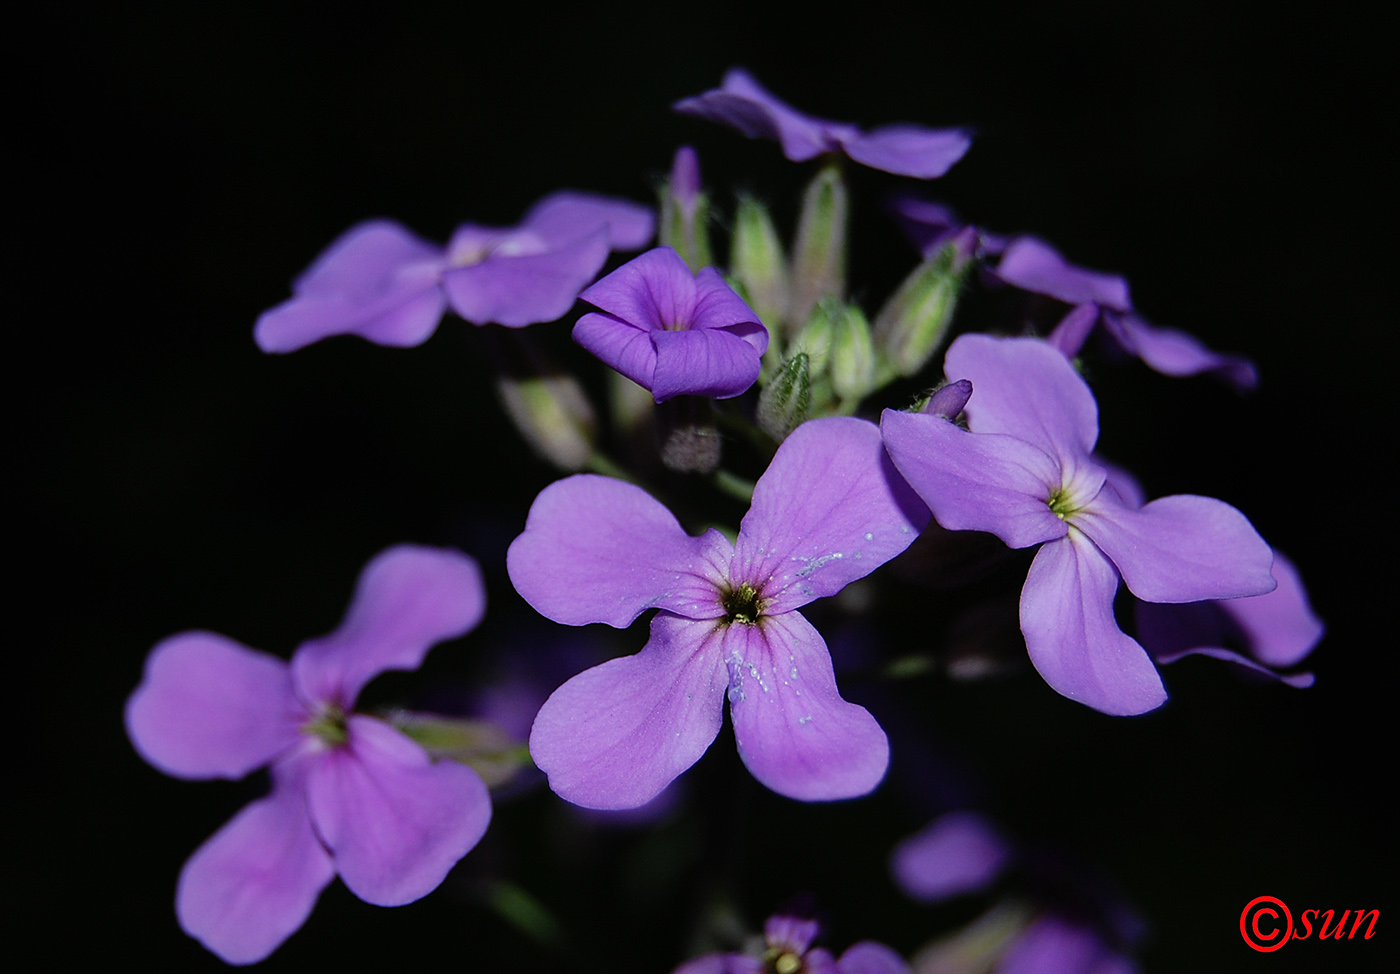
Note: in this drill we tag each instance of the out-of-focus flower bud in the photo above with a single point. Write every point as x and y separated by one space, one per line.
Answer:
685 212
554 415
913 323
787 399
479 744
689 440
819 263
758 261
852 366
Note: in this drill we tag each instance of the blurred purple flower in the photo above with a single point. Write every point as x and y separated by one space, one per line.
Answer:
787 948
905 150
957 853
1024 471
351 796
673 332
829 510
386 285
1102 299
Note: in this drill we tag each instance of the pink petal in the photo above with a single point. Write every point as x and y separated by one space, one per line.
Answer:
596 549
408 599
795 733
395 822
1072 637
830 509
209 707
615 735
254 883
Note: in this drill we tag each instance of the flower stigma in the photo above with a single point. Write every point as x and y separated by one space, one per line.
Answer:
1061 504
741 604
328 724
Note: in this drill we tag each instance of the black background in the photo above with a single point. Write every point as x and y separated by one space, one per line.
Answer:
179 164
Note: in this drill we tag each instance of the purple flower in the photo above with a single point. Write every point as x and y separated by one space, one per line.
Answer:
386 285
787 947
351 796
1102 299
829 510
906 150
673 332
1024 471
958 853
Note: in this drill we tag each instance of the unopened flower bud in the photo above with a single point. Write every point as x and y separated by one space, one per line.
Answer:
819 263
685 212
548 407
949 400
814 340
758 261
852 355
481 745
913 323
787 399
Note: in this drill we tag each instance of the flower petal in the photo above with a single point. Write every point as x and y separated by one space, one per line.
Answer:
254 883
1033 265
830 509
522 290
1024 388
395 822
566 216
596 549
717 305
1052 944
870 957
1176 353
1181 548
615 735
958 853
625 347
705 362
1280 625
209 707
744 104
1073 640
652 291
976 482
795 733
1300 680
908 150
408 599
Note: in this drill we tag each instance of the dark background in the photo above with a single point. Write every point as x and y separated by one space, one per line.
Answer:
181 163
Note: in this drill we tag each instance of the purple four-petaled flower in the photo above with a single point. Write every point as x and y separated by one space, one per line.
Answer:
386 285
673 332
351 795
1024 471
787 947
905 150
829 510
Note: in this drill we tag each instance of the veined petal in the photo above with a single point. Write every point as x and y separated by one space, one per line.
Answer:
615 735
1033 265
566 216
652 291
976 482
1024 388
408 599
209 707
831 508
1072 637
1176 353
518 291
795 733
619 344
908 150
704 362
254 883
395 822
958 853
717 305
1182 548
596 549
744 104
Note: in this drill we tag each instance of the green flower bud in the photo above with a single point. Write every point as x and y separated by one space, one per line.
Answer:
852 355
758 262
554 415
787 399
685 212
814 340
479 744
819 263
914 321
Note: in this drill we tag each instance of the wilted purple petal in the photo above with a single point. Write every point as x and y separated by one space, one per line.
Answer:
596 549
869 957
795 733
908 150
521 290
254 883
616 735
1176 353
209 707
830 509
1033 265
395 821
377 280
958 853
567 216
1025 388
1181 548
976 482
1071 635
408 599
